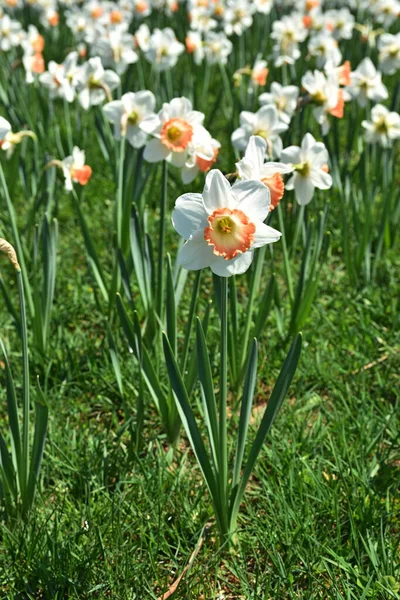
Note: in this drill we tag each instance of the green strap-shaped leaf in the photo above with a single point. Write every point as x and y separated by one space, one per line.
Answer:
279 392
12 408
207 390
170 307
245 411
189 422
8 472
39 440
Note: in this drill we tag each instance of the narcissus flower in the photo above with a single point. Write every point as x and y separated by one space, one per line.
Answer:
366 83
128 113
223 226
284 98
74 169
383 128
203 151
163 49
8 139
389 53
252 166
173 130
310 165
95 83
264 123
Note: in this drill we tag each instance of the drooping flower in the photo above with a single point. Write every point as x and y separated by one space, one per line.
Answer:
310 166
223 225
253 166
9 140
383 128
127 115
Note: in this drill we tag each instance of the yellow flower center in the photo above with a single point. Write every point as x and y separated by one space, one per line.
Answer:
381 126
319 97
133 118
303 169
225 225
262 133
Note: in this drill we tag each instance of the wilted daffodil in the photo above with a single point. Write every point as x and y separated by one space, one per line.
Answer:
8 139
223 225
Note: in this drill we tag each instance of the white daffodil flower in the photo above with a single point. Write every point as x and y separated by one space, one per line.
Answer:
253 166
310 165
389 53
61 79
202 154
223 225
173 129
264 123
127 115
164 49
366 83
284 98
95 83
75 169
383 128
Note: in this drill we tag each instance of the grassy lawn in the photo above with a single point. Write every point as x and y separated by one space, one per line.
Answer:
118 519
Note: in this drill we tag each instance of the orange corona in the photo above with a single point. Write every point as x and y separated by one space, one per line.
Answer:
230 232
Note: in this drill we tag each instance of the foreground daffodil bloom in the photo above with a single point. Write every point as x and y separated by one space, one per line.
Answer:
223 225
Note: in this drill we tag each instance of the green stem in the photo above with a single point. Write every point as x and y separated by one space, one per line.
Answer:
299 225
120 194
161 240
255 284
223 392
285 255
20 254
193 301
25 366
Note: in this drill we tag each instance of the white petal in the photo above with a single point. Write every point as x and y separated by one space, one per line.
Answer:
155 151
255 151
304 190
236 266
217 192
189 215
291 155
265 234
196 254
320 179
253 198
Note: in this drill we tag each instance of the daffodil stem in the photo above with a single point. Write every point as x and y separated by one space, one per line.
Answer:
25 368
17 241
299 225
120 193
285 255
223 393
255 284
67 115
161 240
193 301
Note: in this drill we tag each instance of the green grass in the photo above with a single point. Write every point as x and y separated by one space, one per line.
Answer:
321 515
